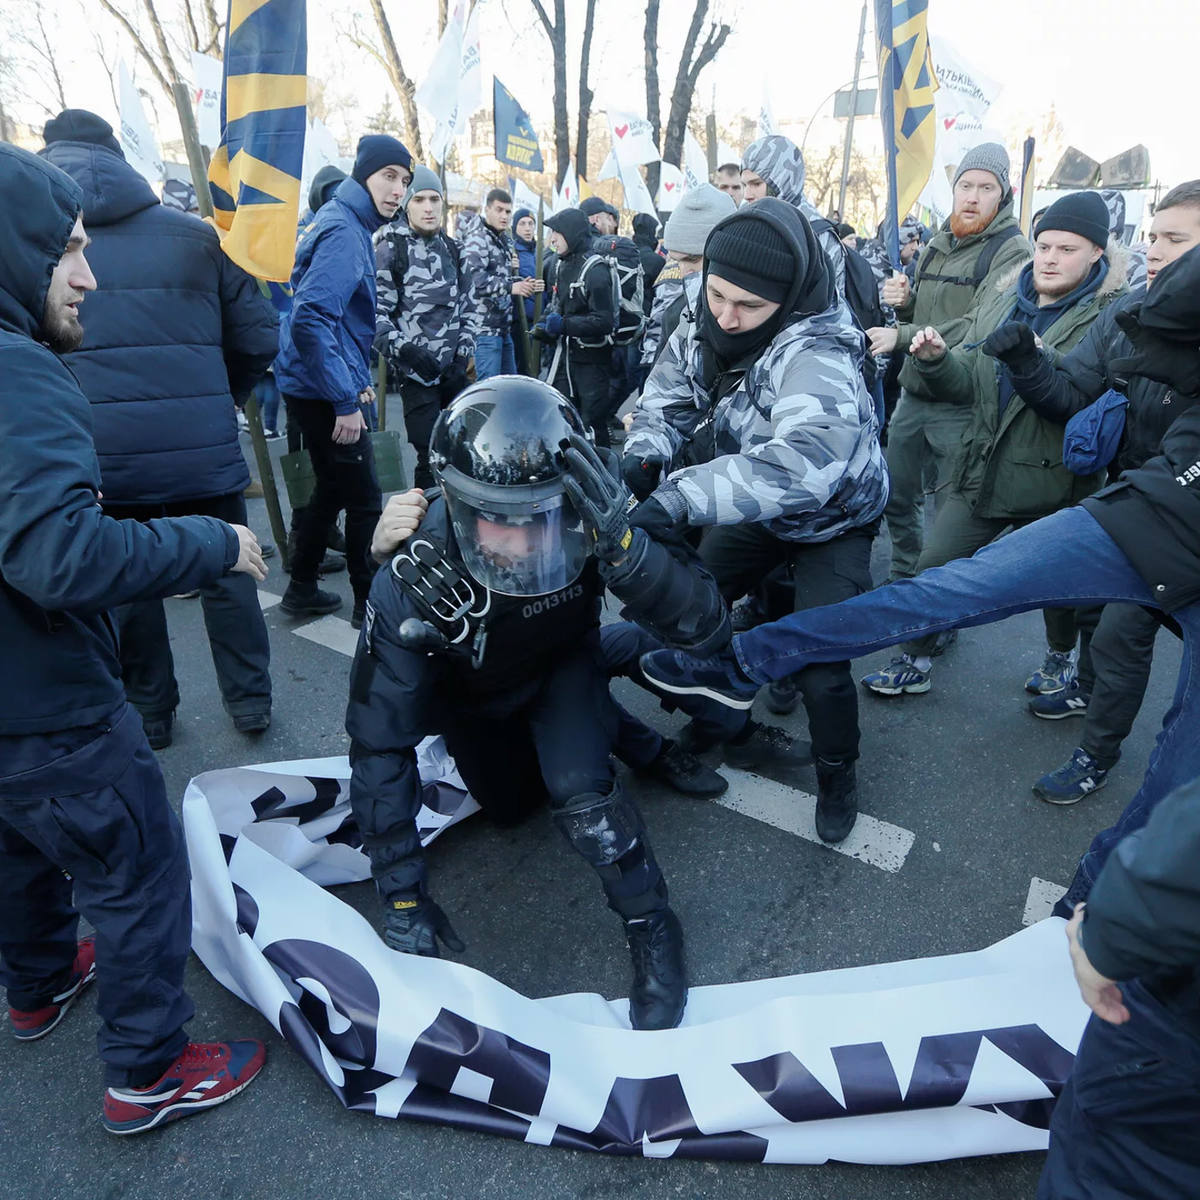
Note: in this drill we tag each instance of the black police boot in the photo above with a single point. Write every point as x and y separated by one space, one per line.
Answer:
685 773
837 800
766 746
307 600
659 993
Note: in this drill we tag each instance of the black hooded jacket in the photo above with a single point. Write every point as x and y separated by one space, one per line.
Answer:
173 334
63 564
586 306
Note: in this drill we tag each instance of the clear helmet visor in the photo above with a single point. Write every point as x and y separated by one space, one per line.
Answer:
526 550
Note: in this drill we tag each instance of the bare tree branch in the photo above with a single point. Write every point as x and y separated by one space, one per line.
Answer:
541 12
691 64
653 94
389 57
164 47
586 95
191 24
139 45
45 51
712 44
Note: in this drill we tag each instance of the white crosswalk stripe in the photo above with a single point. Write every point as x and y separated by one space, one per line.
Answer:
1043 895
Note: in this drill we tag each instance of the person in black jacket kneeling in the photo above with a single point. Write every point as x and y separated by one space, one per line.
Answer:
485 629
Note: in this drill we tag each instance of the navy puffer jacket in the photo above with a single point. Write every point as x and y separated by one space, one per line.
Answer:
174 332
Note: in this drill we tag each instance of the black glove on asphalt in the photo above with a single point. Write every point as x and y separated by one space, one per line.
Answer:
1013 344
418 360
1175 363
416 927
641 474
600 498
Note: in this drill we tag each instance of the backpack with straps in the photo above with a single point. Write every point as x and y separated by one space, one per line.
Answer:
862 298
400 258
983 264
624 262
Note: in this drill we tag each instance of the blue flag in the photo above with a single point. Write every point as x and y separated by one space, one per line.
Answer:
516 143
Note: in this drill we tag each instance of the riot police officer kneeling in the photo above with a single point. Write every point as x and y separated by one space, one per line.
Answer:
485 629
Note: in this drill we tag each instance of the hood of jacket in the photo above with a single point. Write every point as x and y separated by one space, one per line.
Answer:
38 208
575 228
357 199
112 189
645 230
778 160
323 185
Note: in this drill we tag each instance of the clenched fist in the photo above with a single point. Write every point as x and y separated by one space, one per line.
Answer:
896 291
401 518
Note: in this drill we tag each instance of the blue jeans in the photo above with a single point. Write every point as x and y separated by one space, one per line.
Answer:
267 393
1061 561
494 355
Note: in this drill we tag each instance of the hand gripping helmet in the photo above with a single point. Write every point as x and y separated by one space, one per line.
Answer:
497 453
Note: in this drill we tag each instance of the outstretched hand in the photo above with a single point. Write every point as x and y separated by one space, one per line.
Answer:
600 498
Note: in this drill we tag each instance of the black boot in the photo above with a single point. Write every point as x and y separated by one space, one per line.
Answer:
307 600
837 800
659 993
685 773
766 746
334 560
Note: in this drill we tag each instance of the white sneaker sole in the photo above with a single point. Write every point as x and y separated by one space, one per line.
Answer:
189 1106
699 690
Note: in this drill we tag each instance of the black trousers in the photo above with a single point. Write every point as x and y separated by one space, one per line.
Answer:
1127 1125
345 481
422 405
588 389
237 633
92 802
741 556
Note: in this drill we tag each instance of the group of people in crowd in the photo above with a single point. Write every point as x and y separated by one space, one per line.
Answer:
792 394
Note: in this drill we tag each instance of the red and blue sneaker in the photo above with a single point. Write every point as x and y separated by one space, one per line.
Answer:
204 1075
29 1026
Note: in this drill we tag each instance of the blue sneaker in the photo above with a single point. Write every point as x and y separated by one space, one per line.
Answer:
1071 701
898 677
1054 674
1076 778
719 678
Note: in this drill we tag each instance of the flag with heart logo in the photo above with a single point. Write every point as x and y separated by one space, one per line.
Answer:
632 139
671 184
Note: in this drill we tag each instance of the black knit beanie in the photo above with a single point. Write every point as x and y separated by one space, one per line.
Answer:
1084 213
79 125
376 151
752 255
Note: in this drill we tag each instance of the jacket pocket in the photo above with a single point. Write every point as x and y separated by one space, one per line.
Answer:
1031 483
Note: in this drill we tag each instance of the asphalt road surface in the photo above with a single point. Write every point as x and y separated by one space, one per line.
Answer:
951 769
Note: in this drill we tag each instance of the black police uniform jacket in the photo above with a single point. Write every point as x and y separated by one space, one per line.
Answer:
396 694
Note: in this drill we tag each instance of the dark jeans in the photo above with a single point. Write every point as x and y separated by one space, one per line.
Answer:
422 406
1122 653
1064 559
740 556
345 480
494 355
586 386
267 394
93 803
1127 1125
958 533
237 633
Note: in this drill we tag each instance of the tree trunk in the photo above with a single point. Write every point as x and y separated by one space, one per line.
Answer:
653 95
140 46
691 64
405 88
556 32
586 95
164 47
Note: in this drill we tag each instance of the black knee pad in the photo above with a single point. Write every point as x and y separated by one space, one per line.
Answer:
601 828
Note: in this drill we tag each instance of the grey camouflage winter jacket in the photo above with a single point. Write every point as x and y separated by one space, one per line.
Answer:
488 256
796 440
778 160
423 297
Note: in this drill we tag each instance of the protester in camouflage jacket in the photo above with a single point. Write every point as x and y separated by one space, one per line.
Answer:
792 431
488 253
778 162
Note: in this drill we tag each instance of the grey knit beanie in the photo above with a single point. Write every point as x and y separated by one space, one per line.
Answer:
988 156
423 180
697 213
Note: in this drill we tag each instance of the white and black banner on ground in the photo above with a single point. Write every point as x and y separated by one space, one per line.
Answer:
913 1061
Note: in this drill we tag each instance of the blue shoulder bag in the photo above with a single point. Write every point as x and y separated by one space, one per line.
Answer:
1092 436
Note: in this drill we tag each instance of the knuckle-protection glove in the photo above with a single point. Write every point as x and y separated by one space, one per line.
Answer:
641 475
600 498
418 360
415 926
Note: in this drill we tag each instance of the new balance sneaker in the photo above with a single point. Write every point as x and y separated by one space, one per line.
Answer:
719 678
1070 701
1078 777
205 1074
1054 674
900 676
29 1026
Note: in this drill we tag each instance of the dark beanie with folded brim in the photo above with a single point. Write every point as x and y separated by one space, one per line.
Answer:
752 255
1084 213
79 125
376 151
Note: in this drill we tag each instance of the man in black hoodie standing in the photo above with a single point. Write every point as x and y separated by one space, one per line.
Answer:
83 804
582 323
177 335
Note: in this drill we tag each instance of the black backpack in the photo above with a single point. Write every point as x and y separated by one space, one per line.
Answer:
624 262
862 298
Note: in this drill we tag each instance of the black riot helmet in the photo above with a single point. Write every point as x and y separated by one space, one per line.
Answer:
497 453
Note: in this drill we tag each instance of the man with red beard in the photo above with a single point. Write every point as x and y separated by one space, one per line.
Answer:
979 244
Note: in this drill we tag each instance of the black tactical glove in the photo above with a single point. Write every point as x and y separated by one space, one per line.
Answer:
1013 344
659 522
455 378
1175 363
418 361
413 926
600 498
641 474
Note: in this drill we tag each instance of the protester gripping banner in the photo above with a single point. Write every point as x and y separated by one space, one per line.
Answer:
516 142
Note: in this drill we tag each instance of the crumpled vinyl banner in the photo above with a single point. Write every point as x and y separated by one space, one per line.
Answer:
913 1061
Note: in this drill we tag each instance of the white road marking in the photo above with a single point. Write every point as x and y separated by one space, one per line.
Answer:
267 599
879 843
1042 897
334 632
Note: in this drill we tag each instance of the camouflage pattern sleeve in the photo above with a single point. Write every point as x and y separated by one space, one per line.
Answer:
821 432
470 311
667 410
387 298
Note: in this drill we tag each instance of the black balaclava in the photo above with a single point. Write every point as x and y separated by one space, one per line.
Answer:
767 248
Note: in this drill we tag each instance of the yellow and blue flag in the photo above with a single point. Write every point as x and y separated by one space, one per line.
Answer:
1028 161
906 85
516 142
255 173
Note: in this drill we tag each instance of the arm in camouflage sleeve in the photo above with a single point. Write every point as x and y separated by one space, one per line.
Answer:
387 301
487 283
470 311
666 411
816 426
